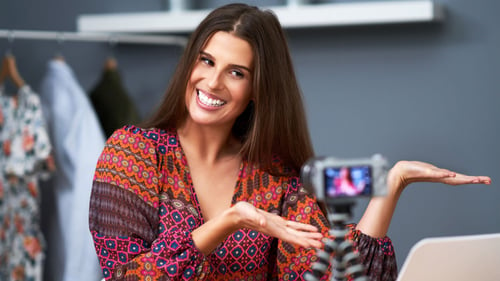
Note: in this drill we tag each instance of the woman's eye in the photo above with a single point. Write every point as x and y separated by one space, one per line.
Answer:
237 73
207 61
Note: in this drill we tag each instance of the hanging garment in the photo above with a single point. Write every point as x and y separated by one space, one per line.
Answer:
112 103
24 159
78 140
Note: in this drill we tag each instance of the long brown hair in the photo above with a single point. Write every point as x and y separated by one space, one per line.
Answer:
274 123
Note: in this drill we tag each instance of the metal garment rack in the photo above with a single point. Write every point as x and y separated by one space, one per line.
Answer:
111 38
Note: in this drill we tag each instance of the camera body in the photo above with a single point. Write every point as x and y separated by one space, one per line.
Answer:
335 180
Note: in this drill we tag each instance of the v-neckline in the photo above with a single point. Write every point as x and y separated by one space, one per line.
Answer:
190 183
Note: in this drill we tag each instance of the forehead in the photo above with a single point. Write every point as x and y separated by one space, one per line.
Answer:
228 48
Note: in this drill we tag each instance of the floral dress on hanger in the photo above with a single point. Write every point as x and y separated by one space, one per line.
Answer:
24 158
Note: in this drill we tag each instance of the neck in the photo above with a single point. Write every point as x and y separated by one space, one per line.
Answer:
206 143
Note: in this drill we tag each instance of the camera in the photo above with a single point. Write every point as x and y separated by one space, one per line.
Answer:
336 180
337 183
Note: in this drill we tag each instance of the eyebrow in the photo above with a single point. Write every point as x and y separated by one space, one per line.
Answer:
232 65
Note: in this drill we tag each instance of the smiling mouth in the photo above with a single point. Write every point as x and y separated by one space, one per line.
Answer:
206 100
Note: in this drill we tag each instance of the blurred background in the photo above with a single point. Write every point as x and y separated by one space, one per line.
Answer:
426 91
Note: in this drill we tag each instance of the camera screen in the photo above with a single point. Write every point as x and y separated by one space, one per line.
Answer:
348 181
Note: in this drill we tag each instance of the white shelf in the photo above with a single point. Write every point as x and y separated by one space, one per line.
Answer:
313 15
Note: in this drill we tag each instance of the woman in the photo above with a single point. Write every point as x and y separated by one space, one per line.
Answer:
344 185
209 188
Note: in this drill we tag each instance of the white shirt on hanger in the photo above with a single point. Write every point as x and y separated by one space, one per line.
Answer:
78 141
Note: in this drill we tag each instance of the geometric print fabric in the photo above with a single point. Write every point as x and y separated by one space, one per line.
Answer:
144 208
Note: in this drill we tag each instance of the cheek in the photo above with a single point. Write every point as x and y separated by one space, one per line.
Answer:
191 83
197 73
192 79
239 94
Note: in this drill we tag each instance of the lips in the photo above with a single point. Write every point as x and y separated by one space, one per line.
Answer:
208 101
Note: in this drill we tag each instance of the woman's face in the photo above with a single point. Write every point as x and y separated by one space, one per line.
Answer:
220 85
344 173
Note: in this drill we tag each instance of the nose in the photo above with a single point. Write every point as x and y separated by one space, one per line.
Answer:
215 80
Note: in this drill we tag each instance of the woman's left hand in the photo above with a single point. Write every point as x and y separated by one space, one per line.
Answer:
406 172
378 215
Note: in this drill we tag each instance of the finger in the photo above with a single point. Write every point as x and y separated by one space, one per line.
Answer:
481 180
315 244
300 235
465 179
301 226
485 179
313 235
307 243
305 234
442 173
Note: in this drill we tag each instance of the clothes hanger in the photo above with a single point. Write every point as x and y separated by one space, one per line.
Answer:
111 63
9 67
59 54
9 70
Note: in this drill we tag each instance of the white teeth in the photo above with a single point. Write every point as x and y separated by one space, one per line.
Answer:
209 101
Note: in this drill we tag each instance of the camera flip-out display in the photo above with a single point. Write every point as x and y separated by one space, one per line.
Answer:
333 179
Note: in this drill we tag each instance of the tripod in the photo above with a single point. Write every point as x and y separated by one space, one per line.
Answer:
345 262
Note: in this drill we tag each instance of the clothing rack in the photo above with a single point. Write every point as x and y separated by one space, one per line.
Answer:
111 38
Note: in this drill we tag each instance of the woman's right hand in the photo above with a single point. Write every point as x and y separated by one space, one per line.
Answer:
304 235
245 215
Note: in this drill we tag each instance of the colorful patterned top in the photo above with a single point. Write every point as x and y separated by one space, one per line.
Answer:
143 209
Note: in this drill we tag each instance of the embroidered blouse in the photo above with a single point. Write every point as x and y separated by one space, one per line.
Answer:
143 209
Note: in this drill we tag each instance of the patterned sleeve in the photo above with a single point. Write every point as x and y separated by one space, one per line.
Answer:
125 210
376 254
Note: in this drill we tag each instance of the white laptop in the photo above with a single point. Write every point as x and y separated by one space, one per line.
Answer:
459 258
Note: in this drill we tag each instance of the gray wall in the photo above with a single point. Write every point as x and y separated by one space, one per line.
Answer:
426 92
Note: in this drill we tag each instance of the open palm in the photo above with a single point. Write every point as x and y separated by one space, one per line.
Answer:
300 234
406 172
